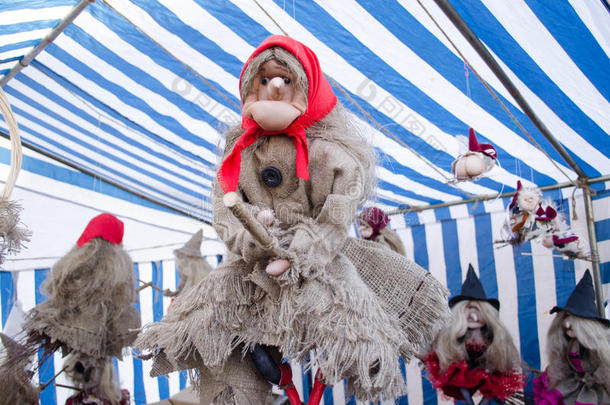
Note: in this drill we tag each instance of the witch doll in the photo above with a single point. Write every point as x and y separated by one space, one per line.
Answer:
374 226
192 266
90 294
299 169
579 353
479 159
474 352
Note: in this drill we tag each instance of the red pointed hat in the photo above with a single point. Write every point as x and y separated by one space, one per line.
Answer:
514 200
320 101
376 218
105 226
484 148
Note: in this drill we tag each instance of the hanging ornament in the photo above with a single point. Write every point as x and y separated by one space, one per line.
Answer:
479 159
520 225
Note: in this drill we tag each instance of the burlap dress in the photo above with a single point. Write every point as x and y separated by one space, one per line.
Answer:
321 309
89 309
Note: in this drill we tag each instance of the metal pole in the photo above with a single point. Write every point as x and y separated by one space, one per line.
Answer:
486 197
476 43
44 42
597 278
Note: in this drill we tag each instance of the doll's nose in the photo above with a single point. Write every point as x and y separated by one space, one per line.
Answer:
275 87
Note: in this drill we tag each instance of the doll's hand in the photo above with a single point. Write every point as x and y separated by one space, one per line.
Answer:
266 217
277 267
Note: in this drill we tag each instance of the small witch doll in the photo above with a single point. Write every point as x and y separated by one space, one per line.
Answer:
579 353
90 291
479 159
192 267
374 226
475 352
95 381
521 223
298 169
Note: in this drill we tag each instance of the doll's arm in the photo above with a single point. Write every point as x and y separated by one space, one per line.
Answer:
341 178
237 239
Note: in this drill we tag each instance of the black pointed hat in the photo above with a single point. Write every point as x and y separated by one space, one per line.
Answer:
472 290
582 301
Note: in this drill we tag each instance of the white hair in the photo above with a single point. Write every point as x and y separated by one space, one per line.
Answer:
501 355
591 335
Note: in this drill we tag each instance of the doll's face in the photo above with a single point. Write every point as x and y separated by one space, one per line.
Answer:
365 229
528 200
273 100
275 82
567 328
474 319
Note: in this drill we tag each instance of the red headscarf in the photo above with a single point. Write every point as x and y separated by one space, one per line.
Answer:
106 226
320 101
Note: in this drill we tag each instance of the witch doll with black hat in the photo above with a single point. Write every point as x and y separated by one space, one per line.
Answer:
579 353
475 351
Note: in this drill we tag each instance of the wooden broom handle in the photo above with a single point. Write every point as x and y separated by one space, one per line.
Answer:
234 203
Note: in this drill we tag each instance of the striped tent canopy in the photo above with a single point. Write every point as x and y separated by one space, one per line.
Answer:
125 111
139 92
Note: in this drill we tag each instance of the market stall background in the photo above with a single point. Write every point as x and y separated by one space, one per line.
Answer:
124 112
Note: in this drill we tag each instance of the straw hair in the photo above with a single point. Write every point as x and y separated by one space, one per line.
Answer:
501 355
591 335
283 57
89 308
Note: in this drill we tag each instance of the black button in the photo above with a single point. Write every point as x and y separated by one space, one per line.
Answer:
271 176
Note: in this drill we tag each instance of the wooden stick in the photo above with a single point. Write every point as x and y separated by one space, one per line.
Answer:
539 254
45 385
148 284
69 387
234 203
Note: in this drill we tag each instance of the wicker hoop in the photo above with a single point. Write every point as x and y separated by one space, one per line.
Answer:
16 155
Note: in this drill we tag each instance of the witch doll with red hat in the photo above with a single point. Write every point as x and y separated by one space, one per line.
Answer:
295 172
475 352
90 292
374 226
578 348
521 216
479 159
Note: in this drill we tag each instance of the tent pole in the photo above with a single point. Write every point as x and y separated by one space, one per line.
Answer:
486 197
44 42
476 43
597 278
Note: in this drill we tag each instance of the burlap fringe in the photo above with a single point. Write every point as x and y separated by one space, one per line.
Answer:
12 235
16 363
406 290
349 328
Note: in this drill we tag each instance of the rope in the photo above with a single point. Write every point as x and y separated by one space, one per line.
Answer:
495 96
16 154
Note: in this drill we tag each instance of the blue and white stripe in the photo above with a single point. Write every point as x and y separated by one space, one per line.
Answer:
150 87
